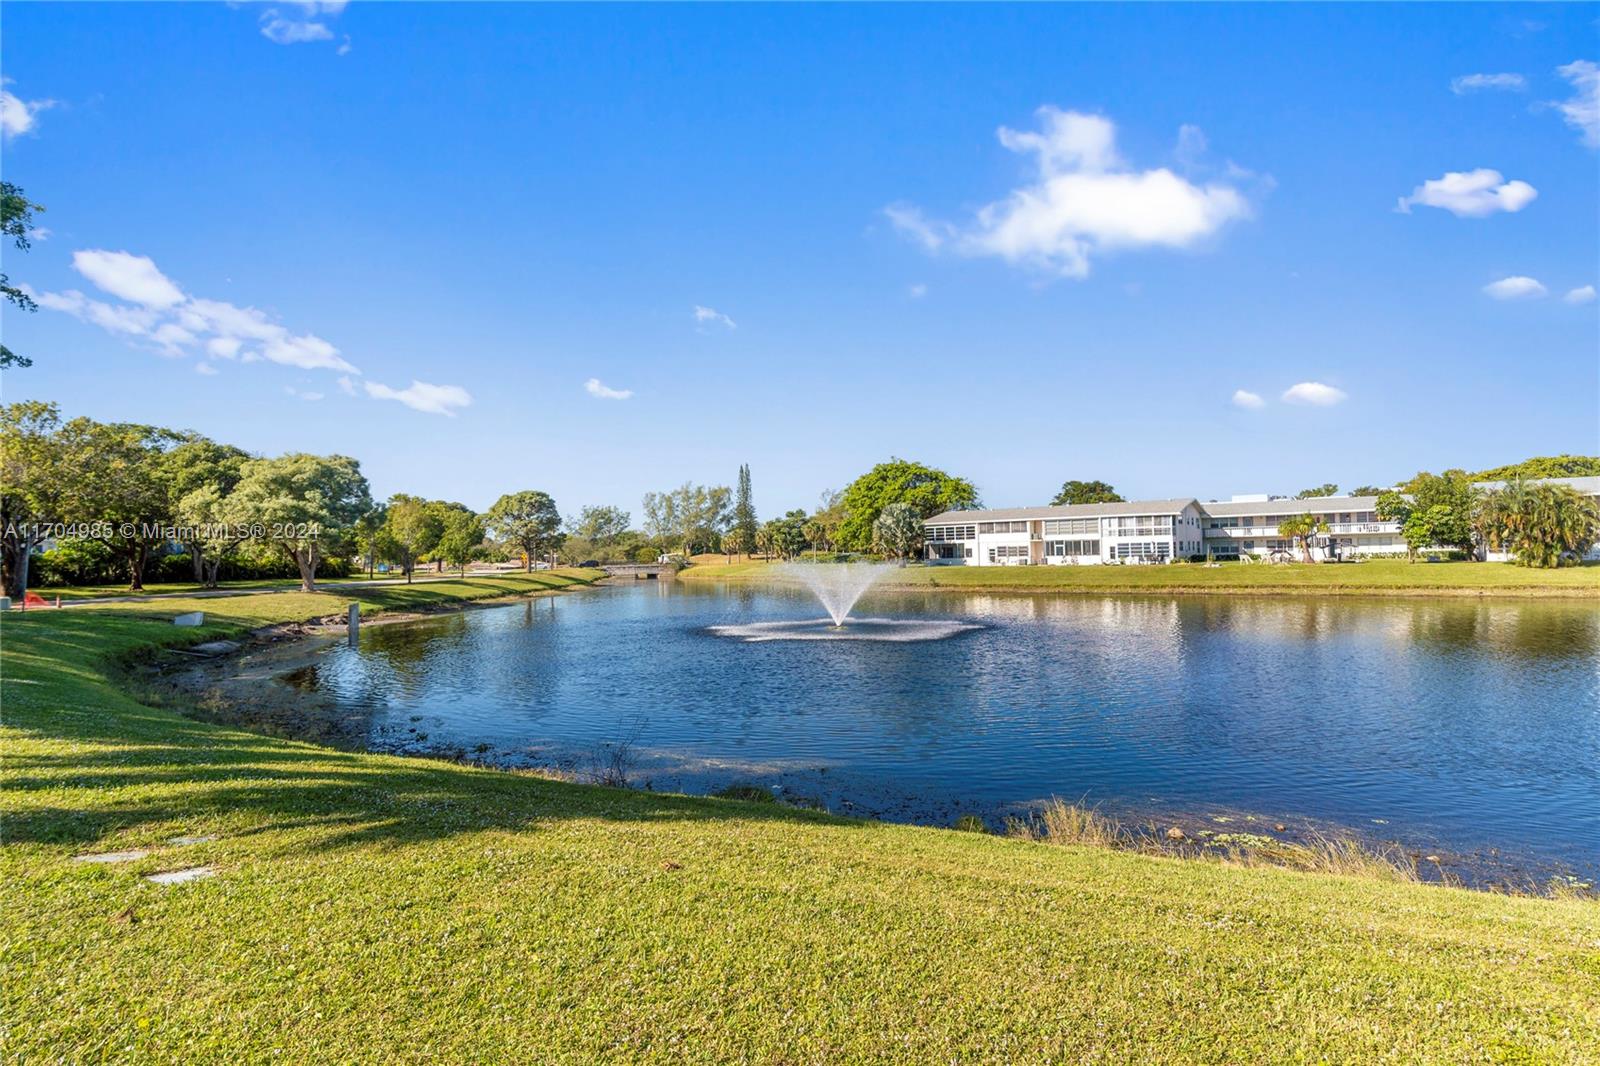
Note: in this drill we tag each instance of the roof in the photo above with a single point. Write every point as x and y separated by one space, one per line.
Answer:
1315 505
1589 486
1071 510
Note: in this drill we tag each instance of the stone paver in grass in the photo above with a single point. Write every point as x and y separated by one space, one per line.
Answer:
184 841
112 856
178 877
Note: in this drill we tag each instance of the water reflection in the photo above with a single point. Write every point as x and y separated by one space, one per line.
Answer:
1473 722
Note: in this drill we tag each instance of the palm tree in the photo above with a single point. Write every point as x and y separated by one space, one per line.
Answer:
1301 528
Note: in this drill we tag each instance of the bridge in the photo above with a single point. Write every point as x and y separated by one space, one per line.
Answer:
639 571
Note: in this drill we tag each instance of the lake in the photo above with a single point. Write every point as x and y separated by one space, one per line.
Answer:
1468 725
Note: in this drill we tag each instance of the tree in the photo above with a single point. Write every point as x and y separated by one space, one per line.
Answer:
117 488
927 490
529 520
1543 466
1367 490
735 542
1084 492
1426 528
823 529
1540 525
203 510
1391 506
193 464
414 526
898 531
304 505
744 508
1326 489
34 476
786 535
1454 491
1301 528
601 526
16 222
463 533
690 516
369 537
763 541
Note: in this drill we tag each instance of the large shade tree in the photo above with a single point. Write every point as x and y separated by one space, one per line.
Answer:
118 488
925 489
305 506
1085 492
34 478
527 520
414 527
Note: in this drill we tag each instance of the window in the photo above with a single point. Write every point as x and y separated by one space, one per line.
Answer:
1060 548
1142 526
936 534
1057 526
1002 527
1144 549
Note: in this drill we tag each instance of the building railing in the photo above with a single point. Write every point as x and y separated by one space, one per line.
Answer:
1272 531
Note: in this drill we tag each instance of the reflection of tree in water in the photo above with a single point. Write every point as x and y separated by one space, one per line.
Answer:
1534 631
405 650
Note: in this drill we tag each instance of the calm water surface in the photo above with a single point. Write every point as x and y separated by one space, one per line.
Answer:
1473 725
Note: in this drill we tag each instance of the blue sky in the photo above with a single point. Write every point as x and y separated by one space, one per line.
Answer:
980 237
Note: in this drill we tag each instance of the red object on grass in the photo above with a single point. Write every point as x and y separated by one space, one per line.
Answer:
33 599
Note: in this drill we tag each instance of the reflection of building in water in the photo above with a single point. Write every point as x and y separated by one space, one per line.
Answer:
1160 531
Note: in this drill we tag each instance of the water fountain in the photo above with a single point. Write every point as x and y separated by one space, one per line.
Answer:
838 586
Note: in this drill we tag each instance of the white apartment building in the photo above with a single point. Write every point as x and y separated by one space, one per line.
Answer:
1159 531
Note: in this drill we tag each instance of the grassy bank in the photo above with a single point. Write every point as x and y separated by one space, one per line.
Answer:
1374 577
377 908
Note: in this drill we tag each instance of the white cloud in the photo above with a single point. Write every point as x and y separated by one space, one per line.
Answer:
39 233
113 318
1084 201
301 394
1516 287
1582 109
1247 399
344 49
280 30
422 396
302 26
206 369
127 277
1470 194
1584 294
600 390
1471 83
347 385
162 315
1314 393
917 291
708 316
18 116
1192 146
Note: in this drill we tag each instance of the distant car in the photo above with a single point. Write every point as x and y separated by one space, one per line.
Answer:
589 564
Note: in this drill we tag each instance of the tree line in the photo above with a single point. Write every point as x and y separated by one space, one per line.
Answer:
116 499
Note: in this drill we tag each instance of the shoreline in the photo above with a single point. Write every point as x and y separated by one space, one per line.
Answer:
251 688
708 573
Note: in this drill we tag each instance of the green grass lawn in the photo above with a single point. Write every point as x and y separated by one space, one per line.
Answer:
1365 578
375 908
160 588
